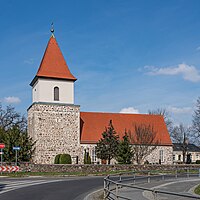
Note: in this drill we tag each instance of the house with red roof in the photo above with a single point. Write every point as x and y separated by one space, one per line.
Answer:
58 126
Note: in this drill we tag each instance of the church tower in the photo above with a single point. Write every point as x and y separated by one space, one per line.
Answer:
53 119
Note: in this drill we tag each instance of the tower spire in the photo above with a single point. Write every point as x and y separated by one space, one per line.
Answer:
52 29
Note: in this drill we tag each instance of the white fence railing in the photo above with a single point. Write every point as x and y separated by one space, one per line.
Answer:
114 185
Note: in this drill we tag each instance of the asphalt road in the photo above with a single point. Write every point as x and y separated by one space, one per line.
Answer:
49 189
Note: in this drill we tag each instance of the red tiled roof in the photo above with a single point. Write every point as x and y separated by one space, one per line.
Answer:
93 124
53 64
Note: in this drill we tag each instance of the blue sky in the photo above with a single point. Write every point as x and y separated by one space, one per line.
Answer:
128 55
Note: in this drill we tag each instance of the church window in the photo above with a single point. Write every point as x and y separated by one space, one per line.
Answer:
56 94
94 156
161 156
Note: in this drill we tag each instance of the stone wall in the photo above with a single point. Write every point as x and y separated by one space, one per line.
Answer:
98 168
154 157
56 129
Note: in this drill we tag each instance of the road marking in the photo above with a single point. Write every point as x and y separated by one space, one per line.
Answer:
9 186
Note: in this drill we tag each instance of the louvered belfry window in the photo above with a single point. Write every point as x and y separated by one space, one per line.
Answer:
56 94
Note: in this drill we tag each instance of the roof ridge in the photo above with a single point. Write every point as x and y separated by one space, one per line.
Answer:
145 114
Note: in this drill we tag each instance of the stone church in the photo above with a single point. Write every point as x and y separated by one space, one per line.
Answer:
58 126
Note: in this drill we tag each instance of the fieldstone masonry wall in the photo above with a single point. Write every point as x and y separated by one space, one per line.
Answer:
153 158
167 155
56 129
99 168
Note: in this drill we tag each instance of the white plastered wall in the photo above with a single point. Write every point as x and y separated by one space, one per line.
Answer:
43 91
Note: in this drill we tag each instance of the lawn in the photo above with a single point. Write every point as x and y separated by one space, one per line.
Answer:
197 190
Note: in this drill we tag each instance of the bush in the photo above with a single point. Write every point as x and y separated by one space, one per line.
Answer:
65 159
197 161
87 158
56 160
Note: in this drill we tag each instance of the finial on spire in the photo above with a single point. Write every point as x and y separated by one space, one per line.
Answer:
52 28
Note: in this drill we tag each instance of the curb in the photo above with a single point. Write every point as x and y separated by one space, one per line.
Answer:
94 195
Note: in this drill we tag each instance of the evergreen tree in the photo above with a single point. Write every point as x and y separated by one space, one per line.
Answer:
125 153
107 146
87 158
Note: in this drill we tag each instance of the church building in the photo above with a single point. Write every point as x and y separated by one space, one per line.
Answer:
58 126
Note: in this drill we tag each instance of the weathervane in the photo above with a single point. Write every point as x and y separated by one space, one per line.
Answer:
52 28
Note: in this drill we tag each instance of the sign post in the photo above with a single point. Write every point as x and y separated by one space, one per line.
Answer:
2 146
16 149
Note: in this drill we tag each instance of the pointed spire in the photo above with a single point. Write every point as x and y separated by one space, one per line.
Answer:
53 64
52 30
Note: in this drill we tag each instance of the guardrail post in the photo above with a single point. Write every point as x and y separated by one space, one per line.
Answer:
134 178
117 191
148 179
154 194
104 188
176 174
120 178
188 173
108 184
163 177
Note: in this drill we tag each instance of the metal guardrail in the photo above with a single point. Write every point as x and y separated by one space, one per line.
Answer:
113 184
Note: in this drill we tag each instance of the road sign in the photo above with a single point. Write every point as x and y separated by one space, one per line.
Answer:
9 168
2 146
16 148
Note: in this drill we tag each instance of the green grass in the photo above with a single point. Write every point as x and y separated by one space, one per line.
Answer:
26 174
197 190
61 174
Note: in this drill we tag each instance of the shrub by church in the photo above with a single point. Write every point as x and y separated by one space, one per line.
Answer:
58 126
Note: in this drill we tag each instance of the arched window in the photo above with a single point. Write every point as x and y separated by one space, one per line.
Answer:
56 94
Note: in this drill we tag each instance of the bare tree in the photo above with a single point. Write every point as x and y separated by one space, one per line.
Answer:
196 120
144 141
165 114
9 118
181 135
180 132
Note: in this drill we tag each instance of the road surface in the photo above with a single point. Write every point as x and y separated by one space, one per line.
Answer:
48 188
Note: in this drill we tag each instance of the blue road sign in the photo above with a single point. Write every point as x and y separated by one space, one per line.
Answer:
16 148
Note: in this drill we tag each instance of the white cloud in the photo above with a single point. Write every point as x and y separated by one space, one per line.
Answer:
178 110
129 110
14 100
29 61
188 72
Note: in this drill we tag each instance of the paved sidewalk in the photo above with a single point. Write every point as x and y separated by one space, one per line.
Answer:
179 186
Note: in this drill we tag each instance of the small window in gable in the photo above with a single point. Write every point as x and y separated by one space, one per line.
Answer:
56 94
